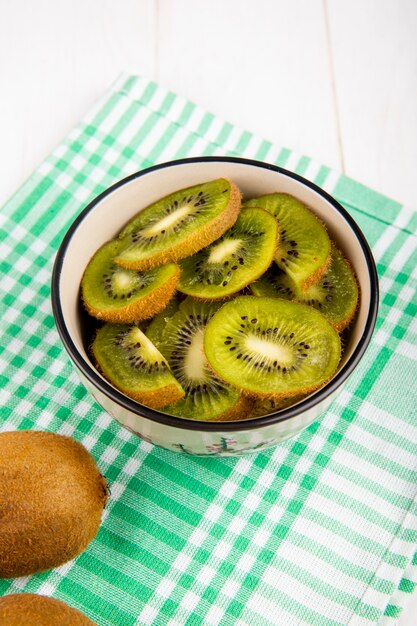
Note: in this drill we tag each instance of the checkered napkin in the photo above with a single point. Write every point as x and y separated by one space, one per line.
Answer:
320 530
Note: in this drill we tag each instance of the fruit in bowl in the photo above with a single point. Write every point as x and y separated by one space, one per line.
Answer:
215 307
217 351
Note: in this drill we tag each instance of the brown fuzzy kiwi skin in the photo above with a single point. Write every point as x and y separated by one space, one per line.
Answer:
196 241
140 310
155 399
51 499
29 609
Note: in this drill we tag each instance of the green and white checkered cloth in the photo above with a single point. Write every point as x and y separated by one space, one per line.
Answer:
321 530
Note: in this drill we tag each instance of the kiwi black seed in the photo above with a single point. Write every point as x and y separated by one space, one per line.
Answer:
335 295
51 499
234 260
304 245
207 396
29 609
131 362
115 294
179 224
270 347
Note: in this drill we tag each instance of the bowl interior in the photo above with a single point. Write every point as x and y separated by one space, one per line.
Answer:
110 213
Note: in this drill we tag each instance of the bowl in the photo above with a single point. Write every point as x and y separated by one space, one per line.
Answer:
103 218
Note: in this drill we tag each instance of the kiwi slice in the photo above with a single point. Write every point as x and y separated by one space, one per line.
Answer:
243 253
271 347
335 295
130 361
116 294
207 397
265 406
179 224
304 245
157 326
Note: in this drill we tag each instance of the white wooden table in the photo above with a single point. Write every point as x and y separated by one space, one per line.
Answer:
333 79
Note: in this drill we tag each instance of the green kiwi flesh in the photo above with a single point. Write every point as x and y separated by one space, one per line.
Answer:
196 352
116 294
234 260
207 397
271 347
130 361
335 295
304 246
179 224
157 326
265 406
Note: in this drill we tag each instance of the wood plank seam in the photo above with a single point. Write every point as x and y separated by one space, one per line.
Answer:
333 85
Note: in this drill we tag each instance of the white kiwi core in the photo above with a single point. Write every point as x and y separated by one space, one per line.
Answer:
195 361
270 350
167 222
223 250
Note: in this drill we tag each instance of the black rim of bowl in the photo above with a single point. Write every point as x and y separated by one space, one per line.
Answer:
92 375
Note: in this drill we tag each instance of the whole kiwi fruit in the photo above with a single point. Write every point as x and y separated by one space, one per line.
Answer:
51 499
28 609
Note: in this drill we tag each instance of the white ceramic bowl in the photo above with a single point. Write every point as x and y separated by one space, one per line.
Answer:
103 219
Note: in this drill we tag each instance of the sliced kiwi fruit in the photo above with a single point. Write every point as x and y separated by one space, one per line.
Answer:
157 326
116 294
335 295
304 245
29 609
234 260
207 397
52 496
271 347
265 406
179 224
130 361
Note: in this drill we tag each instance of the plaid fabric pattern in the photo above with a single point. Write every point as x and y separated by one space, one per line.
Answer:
320 530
